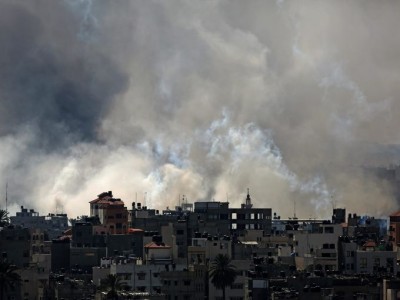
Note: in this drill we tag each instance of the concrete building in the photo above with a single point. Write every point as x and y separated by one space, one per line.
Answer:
185 284
112 213
60 255
372 260
318 248
394 229
84 259
125 244
213 217
248 218
15 245
53 224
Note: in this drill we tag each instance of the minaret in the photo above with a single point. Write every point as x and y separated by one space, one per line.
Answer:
248 200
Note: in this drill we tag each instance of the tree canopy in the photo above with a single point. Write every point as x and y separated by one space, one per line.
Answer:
4 220
222 272
8 277
112 283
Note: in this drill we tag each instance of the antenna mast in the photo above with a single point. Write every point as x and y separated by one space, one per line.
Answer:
6 196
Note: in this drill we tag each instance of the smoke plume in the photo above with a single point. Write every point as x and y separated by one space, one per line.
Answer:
156 99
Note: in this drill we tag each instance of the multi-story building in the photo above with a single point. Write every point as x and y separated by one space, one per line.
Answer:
247 218
112 213
394 229
374 259
318 248
185 284
233 220
53 224
15 245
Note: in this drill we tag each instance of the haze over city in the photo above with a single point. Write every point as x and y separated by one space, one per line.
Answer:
157 99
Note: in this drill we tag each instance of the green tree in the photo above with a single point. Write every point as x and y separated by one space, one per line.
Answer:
4 220
222 272
112 283
8 278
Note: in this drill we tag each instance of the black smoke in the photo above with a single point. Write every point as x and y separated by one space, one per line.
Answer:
52 81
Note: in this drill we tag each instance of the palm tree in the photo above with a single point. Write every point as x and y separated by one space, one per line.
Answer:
3 217
8 277
112 283
222 272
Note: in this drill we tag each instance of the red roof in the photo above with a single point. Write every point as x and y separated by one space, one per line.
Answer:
134 230
369 244
154 245
107 201
396 214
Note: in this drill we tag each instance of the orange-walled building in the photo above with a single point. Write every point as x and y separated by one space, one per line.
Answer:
112 213
394 229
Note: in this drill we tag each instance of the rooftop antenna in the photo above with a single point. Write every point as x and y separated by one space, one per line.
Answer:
6 197
294 209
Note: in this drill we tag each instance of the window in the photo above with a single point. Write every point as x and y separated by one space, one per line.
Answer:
329 229
186 282
389 262
180 232
377 262
363 262
141 276
237 286
127 277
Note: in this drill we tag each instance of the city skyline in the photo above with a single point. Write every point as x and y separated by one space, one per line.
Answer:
295 100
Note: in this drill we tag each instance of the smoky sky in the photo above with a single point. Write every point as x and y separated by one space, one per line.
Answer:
50 79
159 99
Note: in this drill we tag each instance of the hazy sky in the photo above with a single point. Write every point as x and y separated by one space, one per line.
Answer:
156 99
